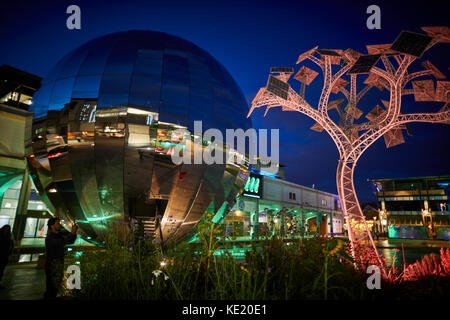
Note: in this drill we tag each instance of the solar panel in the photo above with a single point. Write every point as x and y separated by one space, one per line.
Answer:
441 34
437 74
355 134
306 75
326 52
375 113
351 54
306 54
354 111
443 91
375 81
423 90
357 113
364 63
411 43
385 103
379 49
335 103
317 127
339 85
393 137
282 70
283 108
278 87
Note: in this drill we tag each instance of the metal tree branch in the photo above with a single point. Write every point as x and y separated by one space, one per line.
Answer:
363 92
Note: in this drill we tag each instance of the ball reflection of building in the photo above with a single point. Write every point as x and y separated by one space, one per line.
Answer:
104 130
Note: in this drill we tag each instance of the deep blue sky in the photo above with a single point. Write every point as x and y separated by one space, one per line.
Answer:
248 37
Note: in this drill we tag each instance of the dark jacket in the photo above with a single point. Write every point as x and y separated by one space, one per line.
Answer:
6 247
54 245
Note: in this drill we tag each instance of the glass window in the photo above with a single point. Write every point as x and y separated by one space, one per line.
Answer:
24 258
4 220
30 228
41 231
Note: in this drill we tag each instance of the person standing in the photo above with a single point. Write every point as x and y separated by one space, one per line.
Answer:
6 248
54 252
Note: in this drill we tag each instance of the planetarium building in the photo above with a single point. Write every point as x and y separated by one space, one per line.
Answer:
105 128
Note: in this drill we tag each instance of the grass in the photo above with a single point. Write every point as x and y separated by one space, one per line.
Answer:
312 269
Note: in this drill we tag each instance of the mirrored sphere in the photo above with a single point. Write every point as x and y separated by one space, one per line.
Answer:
105 127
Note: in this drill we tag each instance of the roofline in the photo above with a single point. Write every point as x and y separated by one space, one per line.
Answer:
20 71
411 178
299 185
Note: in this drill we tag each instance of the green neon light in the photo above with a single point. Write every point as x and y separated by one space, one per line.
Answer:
7 181
89 220
257 186
252 184
220 213
247 184
193 239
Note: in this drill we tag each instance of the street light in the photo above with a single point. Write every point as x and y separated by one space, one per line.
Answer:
428 222
383 219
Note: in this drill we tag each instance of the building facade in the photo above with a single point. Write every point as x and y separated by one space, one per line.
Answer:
416 207
20 207
269 205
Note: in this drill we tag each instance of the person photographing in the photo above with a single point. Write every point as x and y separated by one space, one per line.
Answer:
54 252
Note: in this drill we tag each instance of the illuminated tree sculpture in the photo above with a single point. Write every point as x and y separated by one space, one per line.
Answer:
386 67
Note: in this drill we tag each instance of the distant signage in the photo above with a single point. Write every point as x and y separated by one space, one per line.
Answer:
253 186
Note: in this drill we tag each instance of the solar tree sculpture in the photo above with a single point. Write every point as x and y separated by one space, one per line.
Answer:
384 67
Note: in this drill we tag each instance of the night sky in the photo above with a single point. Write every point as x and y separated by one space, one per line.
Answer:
248 37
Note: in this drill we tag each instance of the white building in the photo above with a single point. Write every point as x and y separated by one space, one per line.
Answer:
285 208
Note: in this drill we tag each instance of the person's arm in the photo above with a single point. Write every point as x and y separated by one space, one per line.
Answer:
72 235
70 238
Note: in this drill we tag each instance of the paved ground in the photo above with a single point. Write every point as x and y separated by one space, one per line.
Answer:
23 282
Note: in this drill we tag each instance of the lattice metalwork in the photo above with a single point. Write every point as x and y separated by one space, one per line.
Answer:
435 71
423 90
352 139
